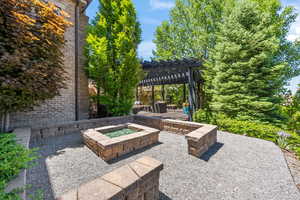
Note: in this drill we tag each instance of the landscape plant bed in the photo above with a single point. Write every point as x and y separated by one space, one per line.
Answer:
113 141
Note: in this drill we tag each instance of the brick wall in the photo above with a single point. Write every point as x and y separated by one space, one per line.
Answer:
61 108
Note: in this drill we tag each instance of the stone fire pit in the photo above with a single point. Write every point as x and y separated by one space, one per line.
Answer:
113 141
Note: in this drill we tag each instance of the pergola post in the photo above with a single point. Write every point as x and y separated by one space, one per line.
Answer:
184 93
152 97
191 94
137 93
163 92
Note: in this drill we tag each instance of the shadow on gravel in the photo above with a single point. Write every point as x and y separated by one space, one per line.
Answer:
38 179
38 176
211 151
163 196
132 153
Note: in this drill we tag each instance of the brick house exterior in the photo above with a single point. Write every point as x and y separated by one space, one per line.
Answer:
62 108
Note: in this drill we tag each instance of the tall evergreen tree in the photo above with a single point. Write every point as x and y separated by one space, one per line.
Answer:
190 32
194 24
246 78
112 43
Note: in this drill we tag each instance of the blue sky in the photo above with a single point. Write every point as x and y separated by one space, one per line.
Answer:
152 12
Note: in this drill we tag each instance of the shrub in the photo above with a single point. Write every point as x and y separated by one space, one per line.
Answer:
13 158
31 57
295 124
256 129
252 129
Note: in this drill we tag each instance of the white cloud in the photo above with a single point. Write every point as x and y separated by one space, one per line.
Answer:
295 30
161 4
145 49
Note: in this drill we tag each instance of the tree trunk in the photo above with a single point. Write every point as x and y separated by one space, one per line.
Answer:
5 122
98 102
2 116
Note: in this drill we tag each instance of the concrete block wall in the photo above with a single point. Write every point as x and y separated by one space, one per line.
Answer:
61 108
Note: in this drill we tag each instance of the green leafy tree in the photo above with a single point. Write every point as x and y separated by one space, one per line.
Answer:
111 49
247 79
31 57
191 32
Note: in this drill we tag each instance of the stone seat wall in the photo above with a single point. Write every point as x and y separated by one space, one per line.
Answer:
138 180
200 140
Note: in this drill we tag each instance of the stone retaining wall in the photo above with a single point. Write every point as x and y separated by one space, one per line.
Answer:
77 126
148 121
179 127
138 180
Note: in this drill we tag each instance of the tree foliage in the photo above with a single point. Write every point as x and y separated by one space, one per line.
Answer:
291 111
31 57
111 49
246 77
194 30
190 32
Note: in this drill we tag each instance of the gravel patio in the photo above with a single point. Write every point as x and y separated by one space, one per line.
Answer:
237 167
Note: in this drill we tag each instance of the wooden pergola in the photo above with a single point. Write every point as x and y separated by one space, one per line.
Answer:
184 71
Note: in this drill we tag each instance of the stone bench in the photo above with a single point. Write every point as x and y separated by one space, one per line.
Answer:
201 139
138 180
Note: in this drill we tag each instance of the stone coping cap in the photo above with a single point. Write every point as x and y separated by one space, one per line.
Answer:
123 138
151 162
192 124
106 129
140 169
123 177
98 189
200 132
141 127
95 135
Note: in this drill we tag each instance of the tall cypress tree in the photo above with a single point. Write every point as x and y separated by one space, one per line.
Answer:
113 64
246 79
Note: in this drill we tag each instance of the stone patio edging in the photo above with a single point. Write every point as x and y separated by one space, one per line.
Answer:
135 181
